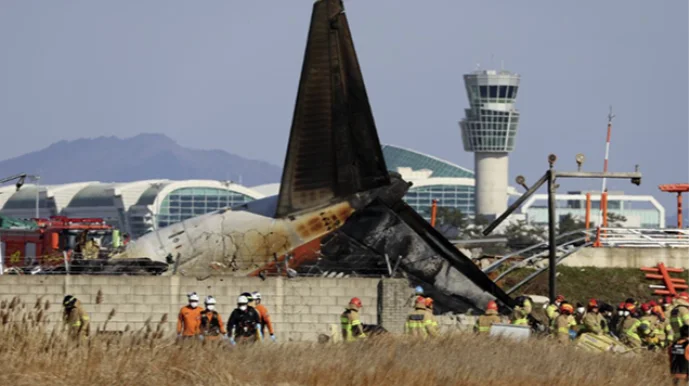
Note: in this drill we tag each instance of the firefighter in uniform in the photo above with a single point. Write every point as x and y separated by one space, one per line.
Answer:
652 323
679 313
76 319
630 327
211 326
678 355
489 318
594 322
552 309
421 322
350 323
521 311
564 323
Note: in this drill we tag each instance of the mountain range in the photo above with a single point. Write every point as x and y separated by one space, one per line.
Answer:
145 156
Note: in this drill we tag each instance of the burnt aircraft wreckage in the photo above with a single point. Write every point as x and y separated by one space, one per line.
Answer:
336 195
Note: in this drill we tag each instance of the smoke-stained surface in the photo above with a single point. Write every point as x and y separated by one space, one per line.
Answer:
368 235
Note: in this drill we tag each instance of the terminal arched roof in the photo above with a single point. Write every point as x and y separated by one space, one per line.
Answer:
398 157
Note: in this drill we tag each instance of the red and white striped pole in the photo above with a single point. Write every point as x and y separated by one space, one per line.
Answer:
603 202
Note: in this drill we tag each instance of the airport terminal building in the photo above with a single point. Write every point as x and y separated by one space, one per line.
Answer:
134 207
139 207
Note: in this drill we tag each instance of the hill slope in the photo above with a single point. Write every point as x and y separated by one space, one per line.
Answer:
145 156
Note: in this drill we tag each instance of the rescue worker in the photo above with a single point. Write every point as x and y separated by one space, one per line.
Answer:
243 322
420 322
679 313
189 318
594 321
211 326
264 317
74 317
656 335
607 311
667 307
350 323
418 291
630 327
618 320
521 311
564 323
489 318
579 319
678 356
552 309
429 303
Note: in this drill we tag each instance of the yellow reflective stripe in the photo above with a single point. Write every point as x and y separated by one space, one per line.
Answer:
685 317
484 329
356 322
428 321
563 330
85 317
77 323
520 321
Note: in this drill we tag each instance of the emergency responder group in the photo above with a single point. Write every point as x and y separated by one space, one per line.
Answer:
652 325
248 323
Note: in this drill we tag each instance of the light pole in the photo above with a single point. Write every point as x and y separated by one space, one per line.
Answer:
36 178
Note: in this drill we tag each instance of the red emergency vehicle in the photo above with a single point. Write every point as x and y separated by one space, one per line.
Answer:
43 241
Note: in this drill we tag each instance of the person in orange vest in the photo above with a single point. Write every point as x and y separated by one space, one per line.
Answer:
189 318
678 357
264 317
211 326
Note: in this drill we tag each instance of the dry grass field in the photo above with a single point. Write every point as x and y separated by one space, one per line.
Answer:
31 354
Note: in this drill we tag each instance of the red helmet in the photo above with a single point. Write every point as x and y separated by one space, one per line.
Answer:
652 304
560 298
567 308
630 307
420 301
429 302
356 302
621 306
683 295
593 303
645 307
668 300
492 305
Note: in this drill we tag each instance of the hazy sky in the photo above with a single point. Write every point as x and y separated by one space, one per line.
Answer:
223 74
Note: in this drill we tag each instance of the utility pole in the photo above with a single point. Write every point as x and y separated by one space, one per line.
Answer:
550 178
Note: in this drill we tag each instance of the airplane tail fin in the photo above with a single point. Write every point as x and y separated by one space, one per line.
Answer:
334 149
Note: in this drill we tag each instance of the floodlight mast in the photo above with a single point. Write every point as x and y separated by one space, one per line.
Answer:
550 178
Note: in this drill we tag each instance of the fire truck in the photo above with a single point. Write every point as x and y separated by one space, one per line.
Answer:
42 241
60 243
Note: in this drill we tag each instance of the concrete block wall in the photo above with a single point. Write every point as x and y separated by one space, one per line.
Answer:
628 257
300 308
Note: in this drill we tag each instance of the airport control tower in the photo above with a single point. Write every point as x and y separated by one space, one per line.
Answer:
489 130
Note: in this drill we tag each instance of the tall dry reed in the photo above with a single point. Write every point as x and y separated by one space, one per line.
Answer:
31 354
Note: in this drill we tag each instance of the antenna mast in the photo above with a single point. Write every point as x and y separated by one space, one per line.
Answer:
604 190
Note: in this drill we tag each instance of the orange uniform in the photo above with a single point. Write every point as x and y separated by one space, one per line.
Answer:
264 318
189 320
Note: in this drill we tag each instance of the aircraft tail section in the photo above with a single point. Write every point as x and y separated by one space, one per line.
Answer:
334 149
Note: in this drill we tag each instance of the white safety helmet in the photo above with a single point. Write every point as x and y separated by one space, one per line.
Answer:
242 302
580 310
256 295
210 300
193 297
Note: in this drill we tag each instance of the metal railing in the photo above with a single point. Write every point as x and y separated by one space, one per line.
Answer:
570 242
640 237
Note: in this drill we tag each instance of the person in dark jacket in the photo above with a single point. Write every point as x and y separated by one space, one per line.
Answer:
678 355
243 322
